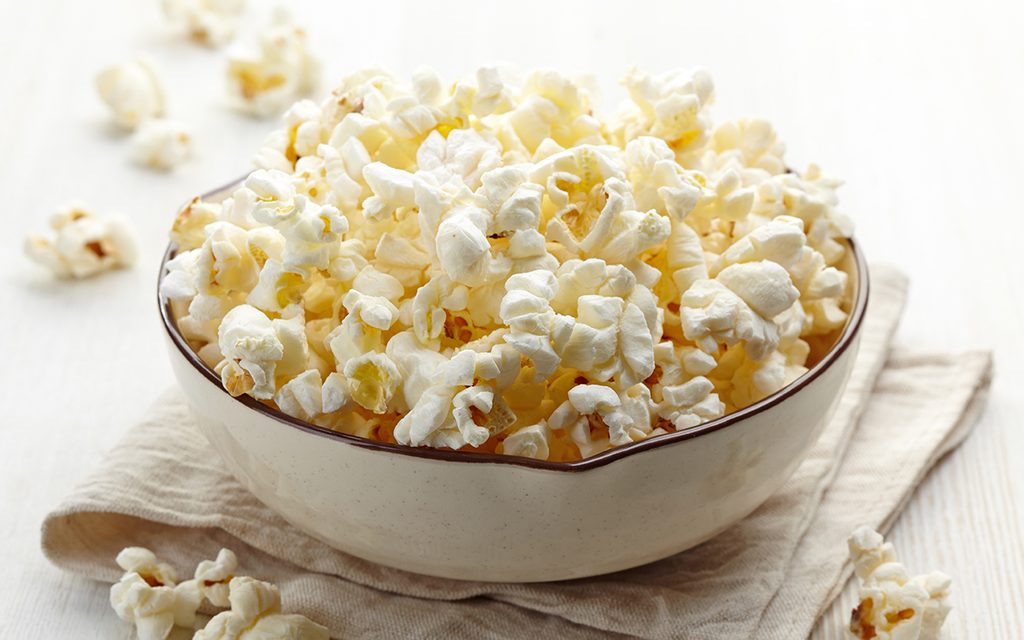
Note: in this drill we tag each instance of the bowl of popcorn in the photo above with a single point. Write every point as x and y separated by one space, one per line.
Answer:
477 330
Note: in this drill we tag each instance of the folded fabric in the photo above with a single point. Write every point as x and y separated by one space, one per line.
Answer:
770 576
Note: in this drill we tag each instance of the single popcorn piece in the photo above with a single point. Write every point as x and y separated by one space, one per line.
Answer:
161 144
148 597
892 604
252 348
82 244
132 91
255 614
497 266
530 442
264 82
210 22
213 576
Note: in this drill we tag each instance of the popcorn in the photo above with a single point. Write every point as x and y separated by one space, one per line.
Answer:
737 307
529 442
456 412
373 380
82 244
143 562
302 396
749 143
248 340
210 22
265 82
161 144
188 231
213 577
255 614
496 267
132 91
392 188
600 402
669 106
892 604
148 596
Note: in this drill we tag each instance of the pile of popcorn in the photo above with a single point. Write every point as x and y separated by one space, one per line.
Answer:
491 267
149 596
892 604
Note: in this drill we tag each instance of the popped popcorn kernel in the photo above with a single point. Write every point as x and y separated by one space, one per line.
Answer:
489 266
893 604
132 91
82 244
264 81
255 614
161 144
148 597
208 22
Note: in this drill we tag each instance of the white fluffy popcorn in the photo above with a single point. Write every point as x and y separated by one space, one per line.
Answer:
255 614
484 266
82 244
148 597
210 22
264 81
893 605
132 91
252 348
161 144
213 576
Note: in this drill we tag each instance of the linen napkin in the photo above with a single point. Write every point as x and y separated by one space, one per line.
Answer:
769 576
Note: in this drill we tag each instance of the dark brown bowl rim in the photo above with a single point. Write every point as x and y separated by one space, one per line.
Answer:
853 326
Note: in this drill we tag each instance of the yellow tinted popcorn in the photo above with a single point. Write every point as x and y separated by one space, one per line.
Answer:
483 266
266 80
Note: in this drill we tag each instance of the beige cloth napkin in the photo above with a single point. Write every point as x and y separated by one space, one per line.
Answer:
770 576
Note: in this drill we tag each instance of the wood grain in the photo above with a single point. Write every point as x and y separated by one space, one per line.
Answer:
916 104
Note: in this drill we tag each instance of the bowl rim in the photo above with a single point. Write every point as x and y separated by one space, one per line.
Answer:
846 339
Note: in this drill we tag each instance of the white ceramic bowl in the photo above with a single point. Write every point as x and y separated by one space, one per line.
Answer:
503 518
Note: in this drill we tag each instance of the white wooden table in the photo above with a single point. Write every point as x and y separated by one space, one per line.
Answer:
917 105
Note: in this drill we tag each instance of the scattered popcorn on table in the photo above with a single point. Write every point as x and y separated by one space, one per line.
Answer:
148 596
82 244
256 615
497 268
210 22
133 92
894 606
161 144
266 81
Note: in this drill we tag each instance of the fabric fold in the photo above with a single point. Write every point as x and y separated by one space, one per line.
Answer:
769 576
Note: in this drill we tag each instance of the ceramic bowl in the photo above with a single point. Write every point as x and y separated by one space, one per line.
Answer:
502 518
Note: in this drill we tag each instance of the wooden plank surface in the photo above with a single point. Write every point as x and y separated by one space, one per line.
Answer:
916 104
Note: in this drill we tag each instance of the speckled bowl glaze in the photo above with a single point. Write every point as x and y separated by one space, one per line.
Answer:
502 518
